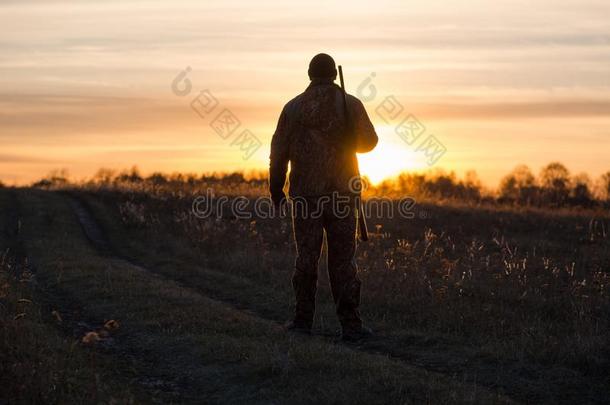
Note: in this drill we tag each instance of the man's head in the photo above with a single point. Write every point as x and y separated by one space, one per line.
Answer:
322 66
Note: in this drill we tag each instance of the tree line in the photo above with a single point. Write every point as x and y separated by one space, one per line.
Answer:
554 186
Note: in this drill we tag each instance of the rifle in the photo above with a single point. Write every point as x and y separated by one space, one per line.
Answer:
362 228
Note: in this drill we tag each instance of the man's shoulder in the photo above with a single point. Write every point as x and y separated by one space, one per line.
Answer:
291 106
294 101
353 99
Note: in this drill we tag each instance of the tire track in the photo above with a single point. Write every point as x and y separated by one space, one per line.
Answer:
74 322
171 374
99 239
183 374
519 381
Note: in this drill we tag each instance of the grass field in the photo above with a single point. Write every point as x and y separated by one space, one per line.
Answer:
116 295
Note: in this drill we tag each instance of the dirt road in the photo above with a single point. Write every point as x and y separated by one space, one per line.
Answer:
217 338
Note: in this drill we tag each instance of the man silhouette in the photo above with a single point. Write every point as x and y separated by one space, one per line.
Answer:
314 135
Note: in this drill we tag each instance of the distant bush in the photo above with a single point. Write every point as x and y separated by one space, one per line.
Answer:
555 187
555 184
55 179
605 186
519 186
131 176
434 185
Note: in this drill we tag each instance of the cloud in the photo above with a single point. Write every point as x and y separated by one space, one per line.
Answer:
45 115
495 110
16 158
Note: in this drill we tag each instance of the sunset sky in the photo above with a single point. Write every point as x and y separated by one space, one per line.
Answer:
87 84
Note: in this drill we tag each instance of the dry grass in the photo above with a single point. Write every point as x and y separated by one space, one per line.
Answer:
40 360
182 346
523 288
472 303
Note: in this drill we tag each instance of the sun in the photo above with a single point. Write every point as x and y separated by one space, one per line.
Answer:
389 158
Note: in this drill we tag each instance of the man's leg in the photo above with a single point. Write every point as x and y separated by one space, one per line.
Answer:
308 234
342 269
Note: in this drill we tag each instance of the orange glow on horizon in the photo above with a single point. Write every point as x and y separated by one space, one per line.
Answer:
390 158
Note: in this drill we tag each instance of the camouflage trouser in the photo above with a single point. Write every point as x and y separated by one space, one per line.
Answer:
340 230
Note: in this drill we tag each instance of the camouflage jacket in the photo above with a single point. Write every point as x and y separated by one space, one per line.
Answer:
311 135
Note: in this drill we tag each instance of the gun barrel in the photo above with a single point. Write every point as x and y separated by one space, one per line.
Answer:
363 229
343 91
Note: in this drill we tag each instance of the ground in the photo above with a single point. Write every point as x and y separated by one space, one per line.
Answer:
116 296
